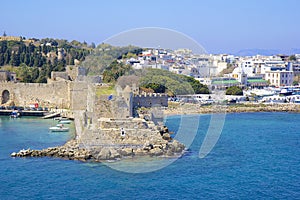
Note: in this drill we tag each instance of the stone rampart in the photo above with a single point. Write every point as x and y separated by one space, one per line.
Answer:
150 100
55 94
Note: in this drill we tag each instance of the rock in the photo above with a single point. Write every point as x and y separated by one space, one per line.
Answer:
114 154
170 152
178 147
126 152
104 154
147 146
140 152
156 152
157 146
167 136
13 154
70 154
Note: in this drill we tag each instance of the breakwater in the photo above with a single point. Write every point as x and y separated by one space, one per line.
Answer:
176 108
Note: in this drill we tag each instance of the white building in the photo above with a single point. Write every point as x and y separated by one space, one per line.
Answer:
280 78
244 68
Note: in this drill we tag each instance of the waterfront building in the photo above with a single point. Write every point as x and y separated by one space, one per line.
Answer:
280 77
224 82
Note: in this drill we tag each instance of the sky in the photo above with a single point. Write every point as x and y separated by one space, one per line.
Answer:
219 26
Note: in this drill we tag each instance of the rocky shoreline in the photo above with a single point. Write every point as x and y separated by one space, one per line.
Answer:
75 150
155 140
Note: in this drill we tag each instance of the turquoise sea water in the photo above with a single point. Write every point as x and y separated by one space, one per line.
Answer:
256 157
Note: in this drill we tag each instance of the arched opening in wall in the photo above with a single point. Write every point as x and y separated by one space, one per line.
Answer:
5 96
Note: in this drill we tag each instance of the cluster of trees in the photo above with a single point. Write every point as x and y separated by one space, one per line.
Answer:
173 84
234 90
104 55
31 62
115 70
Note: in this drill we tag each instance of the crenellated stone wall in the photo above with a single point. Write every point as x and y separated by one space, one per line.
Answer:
150 100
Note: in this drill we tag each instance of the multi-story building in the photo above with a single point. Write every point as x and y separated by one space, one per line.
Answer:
280 77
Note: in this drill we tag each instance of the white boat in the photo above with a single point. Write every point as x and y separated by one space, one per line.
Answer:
64 121
259 92
59 128
57 118
274 99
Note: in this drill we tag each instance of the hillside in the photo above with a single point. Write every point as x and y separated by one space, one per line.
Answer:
34 59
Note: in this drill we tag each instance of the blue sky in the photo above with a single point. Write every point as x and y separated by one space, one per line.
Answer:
220 26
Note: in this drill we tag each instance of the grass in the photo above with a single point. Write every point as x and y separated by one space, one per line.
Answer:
106 90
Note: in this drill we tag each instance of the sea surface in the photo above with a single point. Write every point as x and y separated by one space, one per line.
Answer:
256 157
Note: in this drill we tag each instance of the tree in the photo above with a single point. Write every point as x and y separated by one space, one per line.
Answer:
41 79
15 59
196 85
234 90
25 75
295 83
3 46
6 57
157 88
114 71
292 58
31 48
1 59
35 74
174 83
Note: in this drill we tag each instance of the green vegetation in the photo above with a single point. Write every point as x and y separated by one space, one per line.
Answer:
174 84
157 88
292 58
234 90
106 90
33 62
295 83
114 71
104 55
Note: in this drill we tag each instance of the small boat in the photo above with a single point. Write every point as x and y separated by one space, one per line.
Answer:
57 118
14 114
64 121
59 128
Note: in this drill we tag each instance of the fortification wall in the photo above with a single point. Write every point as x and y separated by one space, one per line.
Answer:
55 94
78 95
149 100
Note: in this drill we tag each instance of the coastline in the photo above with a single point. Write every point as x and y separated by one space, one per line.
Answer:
160 145
187 108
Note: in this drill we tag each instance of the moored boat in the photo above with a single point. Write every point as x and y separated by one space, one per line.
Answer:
59 128
64 121
15 114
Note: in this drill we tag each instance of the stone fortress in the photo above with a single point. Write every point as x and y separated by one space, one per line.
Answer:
108 126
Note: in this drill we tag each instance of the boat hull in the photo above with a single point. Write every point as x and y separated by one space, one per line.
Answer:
58 129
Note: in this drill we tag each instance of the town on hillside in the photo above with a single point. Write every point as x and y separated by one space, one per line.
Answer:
264 79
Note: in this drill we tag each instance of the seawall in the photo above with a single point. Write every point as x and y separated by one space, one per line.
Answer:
177 108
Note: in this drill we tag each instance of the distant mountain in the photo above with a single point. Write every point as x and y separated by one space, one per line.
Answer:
266 52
